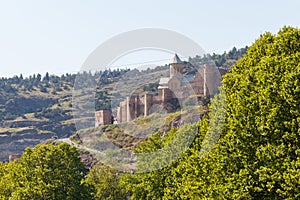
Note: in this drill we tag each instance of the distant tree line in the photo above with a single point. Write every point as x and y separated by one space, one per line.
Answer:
11 85
225 60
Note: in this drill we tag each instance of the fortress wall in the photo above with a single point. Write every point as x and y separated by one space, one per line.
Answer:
123 108
148 102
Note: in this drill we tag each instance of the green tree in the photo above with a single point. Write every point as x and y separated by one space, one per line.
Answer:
37 80
162 159
46 172
106 182
258 158
46 77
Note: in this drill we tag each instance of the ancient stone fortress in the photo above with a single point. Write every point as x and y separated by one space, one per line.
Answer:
171 91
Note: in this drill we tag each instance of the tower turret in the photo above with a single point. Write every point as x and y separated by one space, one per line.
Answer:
176 66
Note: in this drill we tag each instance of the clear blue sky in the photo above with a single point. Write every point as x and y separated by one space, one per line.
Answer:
57 35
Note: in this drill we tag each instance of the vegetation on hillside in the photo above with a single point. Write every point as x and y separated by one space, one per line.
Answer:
38 107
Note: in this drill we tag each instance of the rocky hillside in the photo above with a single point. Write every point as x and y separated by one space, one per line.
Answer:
36 108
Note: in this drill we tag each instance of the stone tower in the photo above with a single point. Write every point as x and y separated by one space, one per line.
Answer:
212 80
103 117
176 67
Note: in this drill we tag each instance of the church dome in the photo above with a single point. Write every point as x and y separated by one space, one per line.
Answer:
176 60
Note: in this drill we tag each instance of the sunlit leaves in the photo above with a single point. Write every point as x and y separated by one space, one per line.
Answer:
45 172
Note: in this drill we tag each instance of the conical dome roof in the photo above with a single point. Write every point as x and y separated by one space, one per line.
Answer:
176 60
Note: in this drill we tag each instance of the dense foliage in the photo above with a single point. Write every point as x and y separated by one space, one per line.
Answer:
263 121
45 172
106 183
